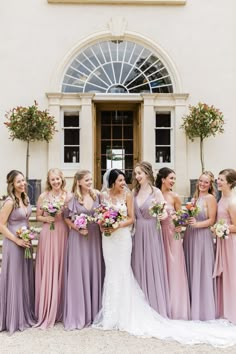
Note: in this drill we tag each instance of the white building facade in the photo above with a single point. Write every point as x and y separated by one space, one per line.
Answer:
118 77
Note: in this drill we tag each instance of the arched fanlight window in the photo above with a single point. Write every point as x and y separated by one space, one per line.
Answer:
117 67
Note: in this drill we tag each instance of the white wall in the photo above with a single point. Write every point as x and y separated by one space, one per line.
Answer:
35 38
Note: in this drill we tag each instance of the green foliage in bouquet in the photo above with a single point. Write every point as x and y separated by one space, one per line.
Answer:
201 122
30 124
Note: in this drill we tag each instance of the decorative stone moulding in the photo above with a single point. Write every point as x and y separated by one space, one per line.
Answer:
113 2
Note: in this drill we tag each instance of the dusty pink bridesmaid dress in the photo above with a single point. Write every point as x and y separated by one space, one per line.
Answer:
225 269
176 270
49 273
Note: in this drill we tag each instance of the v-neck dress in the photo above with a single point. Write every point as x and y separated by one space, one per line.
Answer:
17 279
49 272
84 271
148 258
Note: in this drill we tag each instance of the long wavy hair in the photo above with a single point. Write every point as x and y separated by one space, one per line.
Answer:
76 188
146 167
212 188
162 173
11 176
59 173
230 176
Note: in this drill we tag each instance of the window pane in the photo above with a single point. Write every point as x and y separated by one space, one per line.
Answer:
128 132
106 132
117 132
162 137
71 154
71 120
163 154
163 120
71 137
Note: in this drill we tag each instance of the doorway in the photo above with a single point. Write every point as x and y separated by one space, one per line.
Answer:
117 139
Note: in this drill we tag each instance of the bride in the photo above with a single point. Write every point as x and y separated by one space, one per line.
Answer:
124 306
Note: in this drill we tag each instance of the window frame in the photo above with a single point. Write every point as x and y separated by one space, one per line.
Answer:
171 163
69 111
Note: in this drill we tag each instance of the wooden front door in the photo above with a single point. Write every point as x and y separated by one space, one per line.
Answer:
117 139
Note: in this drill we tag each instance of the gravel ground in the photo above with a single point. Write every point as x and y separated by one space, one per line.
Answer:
92 341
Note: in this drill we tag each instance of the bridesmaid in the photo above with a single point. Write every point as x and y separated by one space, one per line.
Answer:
199 251
84 268
50 253
176 268
148 254
17 279
225 267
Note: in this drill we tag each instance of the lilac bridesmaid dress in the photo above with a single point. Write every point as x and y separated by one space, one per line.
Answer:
200 258
148 259
84 272
17 279
176 270
225 269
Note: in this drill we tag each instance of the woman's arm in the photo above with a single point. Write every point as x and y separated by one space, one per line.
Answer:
4 216
232 213
177 202
130 211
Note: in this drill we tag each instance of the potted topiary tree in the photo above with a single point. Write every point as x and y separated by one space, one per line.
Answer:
30 124
202 122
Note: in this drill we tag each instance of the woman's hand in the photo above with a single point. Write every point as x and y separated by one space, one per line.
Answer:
192 222
23 243
162 216
178 229
83 232
109 230
49 219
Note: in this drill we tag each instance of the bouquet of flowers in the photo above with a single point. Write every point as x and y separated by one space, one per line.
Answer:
192 208
27 234
221 229
156 209
179 218
81 221
52 208
107 217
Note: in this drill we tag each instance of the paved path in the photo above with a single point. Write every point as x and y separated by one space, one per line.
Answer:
91 341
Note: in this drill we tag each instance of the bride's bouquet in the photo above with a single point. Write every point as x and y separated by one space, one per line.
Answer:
221 229
192 208
27 234
81 221
107 217
157 209
52 208
179 218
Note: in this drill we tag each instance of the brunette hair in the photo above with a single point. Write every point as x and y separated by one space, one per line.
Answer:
57 172
230 176
162 173
77 190
146 167
212 188
114 173
11 190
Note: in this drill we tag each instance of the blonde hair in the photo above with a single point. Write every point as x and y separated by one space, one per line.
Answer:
59 173
11 190
212 188
77 190
146 167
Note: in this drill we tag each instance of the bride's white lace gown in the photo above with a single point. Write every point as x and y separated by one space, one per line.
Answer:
125 308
